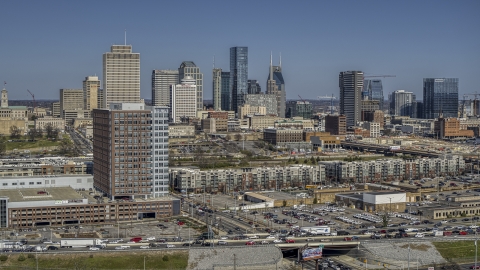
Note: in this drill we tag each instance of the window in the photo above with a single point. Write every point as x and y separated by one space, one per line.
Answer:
14 184
22 183
39 183
5 184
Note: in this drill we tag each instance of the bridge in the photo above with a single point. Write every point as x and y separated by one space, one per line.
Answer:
386 149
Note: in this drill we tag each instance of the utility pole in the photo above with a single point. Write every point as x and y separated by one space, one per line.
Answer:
234 262
408 265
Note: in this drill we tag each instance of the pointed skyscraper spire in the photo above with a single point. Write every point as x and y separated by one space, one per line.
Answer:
271 67
280 61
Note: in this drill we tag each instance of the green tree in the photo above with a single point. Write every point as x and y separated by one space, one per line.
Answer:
66 146
315 200
15 132
385 220
284 203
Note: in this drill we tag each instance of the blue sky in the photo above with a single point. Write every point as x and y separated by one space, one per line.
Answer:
48 45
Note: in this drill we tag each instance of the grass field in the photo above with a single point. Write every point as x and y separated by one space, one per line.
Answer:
456 249
99 260
29 145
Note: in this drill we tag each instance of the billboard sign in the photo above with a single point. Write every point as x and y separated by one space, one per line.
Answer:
312 253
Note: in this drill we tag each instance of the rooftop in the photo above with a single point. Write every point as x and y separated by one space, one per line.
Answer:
40 194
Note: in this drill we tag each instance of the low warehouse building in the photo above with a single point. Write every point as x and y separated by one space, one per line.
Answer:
391 201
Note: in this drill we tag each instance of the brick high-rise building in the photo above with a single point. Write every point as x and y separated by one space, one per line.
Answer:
336 124
130 150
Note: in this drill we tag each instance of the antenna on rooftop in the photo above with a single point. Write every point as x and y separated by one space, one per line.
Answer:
214 61
125 36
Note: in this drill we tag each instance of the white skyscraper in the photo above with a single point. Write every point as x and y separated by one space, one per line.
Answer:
183 100
121 75
188 68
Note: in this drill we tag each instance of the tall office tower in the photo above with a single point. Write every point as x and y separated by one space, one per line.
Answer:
374 91
238 76
351 85
440 96
276 86
183 100
121 75
188 68
161 81
130 150
403 103
226 99
100 99
254 87
91 85
217 89
70 99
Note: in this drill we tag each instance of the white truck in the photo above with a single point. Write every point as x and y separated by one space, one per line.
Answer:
316 230
78 242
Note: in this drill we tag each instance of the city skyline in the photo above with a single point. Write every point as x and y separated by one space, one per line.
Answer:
403 39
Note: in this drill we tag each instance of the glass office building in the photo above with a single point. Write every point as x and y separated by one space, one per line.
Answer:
226 98
374 90
440 95
238 76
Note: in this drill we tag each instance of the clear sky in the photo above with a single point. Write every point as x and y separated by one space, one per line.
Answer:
48 45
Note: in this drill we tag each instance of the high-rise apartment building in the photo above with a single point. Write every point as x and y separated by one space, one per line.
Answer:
336 124
263 100
403 103
351 85
217 89
130 150
121 75
238 76
373 89
226 96
70 99
91 85
440 95
254 87
161 82
183 100
188 68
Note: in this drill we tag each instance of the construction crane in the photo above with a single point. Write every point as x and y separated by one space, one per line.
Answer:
34 102
302 99
331 101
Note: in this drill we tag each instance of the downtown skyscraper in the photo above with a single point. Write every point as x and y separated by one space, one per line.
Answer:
373 89
217 89
276 86
121 75
351 85
238 76
188 68
161 81
440 95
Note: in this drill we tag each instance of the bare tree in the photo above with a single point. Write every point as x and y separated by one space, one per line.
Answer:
15 132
